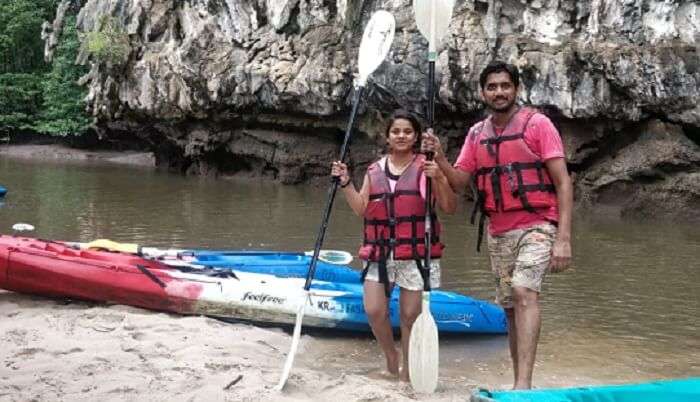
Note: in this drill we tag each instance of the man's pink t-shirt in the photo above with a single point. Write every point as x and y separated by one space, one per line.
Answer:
544 140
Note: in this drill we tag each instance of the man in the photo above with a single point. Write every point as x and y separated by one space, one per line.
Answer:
515 161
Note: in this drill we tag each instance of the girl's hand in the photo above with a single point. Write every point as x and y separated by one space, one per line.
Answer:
340 170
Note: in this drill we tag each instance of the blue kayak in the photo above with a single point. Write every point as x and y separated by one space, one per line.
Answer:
453 312
3 191
684 390
282 264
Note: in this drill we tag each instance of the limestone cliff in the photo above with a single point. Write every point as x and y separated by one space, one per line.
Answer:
262 87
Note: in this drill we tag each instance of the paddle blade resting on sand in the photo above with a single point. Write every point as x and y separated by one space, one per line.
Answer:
375 44
424 350
432 19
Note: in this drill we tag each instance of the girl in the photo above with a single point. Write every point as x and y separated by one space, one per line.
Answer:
392 202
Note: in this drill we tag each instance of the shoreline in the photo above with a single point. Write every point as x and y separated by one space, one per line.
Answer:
65 153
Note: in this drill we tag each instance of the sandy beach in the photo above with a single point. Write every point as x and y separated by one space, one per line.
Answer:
55 350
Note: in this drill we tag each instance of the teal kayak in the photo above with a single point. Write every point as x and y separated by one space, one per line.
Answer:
3 191
683 390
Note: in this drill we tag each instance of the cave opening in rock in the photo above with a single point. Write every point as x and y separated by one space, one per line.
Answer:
692 132
226 163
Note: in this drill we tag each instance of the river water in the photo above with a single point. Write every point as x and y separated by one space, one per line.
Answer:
628 310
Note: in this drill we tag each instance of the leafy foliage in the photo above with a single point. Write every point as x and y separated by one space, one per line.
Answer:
35 95
63 110
20 97
109 43
21 47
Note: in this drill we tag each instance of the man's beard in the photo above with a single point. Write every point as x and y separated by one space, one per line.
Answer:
501 109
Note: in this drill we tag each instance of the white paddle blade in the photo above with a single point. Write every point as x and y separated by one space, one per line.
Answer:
295 344
433 20
375 44
335 257
424 351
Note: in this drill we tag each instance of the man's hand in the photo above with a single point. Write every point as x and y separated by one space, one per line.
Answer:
432 170
561 256
431 143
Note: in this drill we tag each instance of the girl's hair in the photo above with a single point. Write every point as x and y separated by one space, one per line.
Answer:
406 115
403 114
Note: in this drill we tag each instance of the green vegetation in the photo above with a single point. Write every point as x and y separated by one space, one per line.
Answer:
21 47
109 43
20 97
63 108
34 95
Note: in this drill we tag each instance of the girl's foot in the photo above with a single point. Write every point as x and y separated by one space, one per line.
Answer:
392 363
382 375
404 375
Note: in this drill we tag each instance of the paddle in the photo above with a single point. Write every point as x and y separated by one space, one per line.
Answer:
375 44
432 18
335 257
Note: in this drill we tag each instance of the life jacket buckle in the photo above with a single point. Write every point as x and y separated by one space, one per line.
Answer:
509 170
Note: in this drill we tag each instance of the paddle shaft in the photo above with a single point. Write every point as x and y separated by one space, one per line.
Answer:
429 182
332 190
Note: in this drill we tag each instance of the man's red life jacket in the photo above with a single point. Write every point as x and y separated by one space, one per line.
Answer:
509 175
395 221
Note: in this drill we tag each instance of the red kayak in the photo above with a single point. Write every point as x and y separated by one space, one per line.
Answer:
53 269
56 269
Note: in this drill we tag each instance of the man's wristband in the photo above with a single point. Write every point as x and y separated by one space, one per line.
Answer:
347 183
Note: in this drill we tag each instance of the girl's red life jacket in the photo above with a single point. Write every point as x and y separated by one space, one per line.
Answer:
394 222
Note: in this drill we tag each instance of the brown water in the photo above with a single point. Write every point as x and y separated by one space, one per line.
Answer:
629 310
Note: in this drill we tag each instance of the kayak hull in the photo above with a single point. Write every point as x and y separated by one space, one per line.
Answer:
682 390
56 270
452 311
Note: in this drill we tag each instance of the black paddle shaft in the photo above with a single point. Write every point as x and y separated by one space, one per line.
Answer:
429 183
332 190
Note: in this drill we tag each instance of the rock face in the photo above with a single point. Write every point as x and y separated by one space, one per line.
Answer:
263 87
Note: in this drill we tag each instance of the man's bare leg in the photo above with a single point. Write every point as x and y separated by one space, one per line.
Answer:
377 310
527 328
512 341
